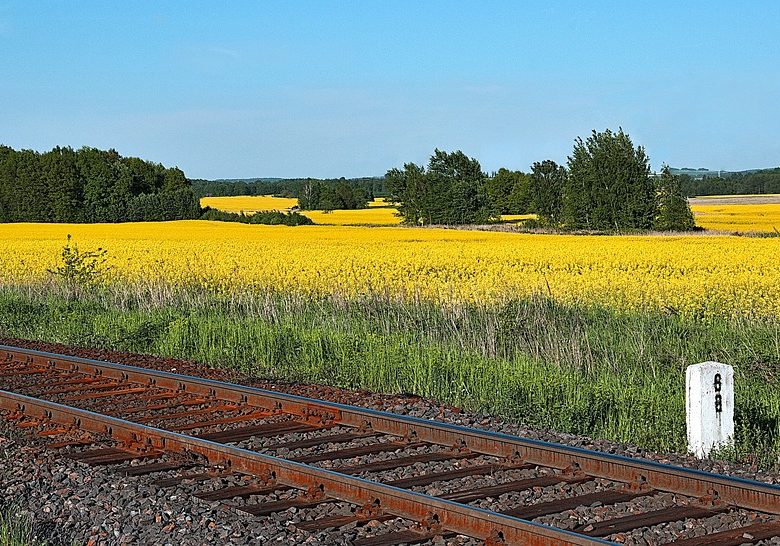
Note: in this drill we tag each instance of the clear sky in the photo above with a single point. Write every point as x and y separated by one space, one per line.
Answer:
337 88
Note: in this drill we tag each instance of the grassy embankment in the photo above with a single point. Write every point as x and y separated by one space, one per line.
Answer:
591 371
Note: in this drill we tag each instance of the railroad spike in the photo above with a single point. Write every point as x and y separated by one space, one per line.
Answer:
370 509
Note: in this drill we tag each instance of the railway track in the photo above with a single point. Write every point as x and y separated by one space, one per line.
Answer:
265 452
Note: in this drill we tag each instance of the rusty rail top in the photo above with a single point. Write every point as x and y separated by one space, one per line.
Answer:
740 492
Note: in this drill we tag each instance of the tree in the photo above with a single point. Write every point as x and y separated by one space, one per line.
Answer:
509 192
408 189
609 185
321 195
98 170
90 185
450 191
548 180
30 189
65 185
674 212
174 180
7 181
520 199
310 195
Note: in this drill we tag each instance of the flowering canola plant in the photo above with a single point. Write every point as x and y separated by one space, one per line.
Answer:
692 275
738 217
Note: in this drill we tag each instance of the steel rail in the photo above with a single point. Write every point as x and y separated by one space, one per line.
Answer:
748 494
452 516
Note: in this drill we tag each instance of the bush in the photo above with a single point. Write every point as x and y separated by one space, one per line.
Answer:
273 218
82 269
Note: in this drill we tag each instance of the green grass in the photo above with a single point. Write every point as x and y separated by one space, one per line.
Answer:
16 529
571 369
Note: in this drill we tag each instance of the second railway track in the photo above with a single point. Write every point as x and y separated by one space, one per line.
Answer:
265 452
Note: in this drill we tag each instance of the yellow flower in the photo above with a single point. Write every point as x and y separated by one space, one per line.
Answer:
693 275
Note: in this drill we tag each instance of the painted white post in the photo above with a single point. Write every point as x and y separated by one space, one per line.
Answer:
709 406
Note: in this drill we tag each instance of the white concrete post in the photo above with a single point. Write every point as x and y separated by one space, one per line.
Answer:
709 406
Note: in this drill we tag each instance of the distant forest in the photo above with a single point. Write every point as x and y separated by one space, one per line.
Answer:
508 189
763 181
312 193
90 185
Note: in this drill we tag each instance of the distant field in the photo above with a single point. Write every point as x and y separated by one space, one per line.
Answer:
751 199
730 213
372 216
249 203
738 213
515 218
379 212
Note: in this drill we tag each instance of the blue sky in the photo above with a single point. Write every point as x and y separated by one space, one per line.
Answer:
320 88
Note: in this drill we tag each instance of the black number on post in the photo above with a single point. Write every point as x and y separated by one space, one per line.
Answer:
718 398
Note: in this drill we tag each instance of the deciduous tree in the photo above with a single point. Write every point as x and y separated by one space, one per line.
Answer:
609 185
674 212
548 180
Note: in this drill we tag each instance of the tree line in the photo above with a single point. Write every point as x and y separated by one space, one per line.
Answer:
90 185
312 193
321 195
756 182
606 185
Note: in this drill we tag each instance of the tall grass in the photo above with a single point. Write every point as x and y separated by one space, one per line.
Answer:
17 529
593 371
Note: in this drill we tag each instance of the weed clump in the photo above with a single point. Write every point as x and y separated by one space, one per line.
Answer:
80 269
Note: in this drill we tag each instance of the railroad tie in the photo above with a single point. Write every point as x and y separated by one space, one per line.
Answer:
609 496
734 537
242 491
120 458
389 464
409 536
335 522
151 468
447 475
223 421
648 519
268 508
470 495
195 477
358 451
257 431
332 439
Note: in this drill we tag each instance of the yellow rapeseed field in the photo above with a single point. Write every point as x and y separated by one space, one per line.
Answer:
371 217
738 217
693 275
249 203
378 213
516 218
